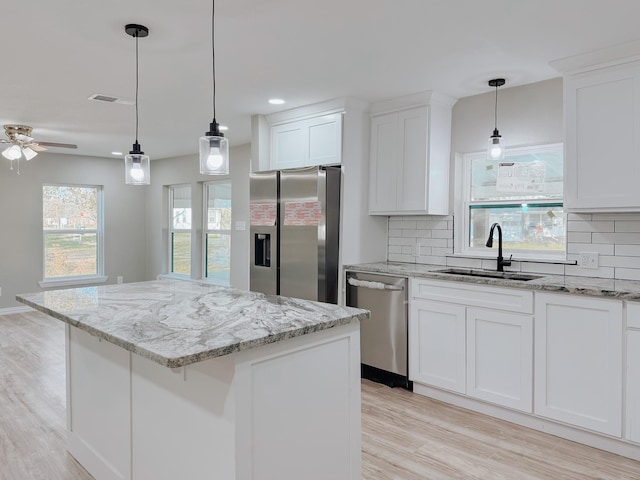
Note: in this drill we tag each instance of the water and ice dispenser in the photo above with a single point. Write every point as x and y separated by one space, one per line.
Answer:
262 249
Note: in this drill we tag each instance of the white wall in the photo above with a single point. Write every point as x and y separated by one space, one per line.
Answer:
21 244
185 170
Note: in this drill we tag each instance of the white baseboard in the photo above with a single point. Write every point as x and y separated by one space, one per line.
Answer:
10 310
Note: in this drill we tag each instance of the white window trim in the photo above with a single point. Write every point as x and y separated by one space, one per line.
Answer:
171 231
70 281
206 231
462 194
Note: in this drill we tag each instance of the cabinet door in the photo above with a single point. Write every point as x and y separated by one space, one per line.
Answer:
500 358
633 386
437 344
602 126
288 145
325 140
384 150
413 125
578 361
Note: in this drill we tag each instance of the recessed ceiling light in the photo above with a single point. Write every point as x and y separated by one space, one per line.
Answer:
116 153
223 128
276 101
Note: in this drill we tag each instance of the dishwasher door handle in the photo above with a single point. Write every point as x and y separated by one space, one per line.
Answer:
374 285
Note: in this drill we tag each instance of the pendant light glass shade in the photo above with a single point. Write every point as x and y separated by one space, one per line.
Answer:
496 145
214 153
136 164
136 167
214 148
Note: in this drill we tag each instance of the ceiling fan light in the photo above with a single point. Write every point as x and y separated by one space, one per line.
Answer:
12 153
29 153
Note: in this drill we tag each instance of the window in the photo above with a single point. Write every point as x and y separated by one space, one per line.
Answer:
524 194
72 233
217 232
180 230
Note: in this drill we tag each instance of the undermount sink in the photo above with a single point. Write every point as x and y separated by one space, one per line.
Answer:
488 274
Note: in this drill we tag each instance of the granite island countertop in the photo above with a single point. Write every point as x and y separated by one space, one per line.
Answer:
592 286
177 323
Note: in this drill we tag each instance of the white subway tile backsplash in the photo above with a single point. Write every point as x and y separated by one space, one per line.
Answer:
577 237
581 226
579 216
442 233
628 273
463 262
402 224
624 226
602 272
616 238
619 261
628 250
543 268
394 257
432 224
600 248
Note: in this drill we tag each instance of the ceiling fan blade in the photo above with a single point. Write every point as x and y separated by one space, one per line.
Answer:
57 145
36 147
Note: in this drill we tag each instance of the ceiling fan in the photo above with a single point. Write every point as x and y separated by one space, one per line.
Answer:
23 144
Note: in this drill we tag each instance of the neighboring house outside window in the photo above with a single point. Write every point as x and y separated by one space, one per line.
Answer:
217 232
524 194
72 226
180 230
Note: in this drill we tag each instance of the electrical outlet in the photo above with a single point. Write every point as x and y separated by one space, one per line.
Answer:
119 279
588 260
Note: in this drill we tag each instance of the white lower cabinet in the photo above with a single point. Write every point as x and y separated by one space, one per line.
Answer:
578 361
633 386
437 344
500 357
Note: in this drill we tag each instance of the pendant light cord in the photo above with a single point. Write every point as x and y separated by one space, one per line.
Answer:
495 115
213 49
136 88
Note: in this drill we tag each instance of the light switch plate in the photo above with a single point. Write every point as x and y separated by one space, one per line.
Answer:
240 225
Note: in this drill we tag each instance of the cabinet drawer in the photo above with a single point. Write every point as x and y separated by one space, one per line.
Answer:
510 299
633 314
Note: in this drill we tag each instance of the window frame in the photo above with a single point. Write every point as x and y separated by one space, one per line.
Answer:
464 206
171 230
71 280
206 231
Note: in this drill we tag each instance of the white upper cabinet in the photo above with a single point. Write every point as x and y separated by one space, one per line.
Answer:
410 155
307 142
602 134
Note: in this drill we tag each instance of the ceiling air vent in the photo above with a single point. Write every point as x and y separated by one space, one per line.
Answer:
111 99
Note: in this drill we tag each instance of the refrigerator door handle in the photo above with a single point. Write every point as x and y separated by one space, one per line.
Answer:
374 285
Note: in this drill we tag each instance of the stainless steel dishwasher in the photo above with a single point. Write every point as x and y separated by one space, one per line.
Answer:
383 337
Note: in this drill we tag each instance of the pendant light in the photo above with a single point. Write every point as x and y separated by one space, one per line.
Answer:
496 144
214 148
136 164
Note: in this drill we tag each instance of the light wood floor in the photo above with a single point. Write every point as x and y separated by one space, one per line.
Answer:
404 436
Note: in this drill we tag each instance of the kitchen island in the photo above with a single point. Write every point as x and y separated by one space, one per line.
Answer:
174 379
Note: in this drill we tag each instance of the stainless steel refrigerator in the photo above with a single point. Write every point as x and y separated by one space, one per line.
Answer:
294 227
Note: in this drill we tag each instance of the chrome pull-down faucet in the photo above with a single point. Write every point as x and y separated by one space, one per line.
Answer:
501 261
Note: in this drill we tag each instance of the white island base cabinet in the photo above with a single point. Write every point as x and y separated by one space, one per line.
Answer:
287 410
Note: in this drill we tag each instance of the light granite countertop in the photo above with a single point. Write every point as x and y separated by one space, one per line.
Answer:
592 286
177 323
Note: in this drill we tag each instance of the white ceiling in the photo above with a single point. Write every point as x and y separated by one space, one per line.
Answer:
58 53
